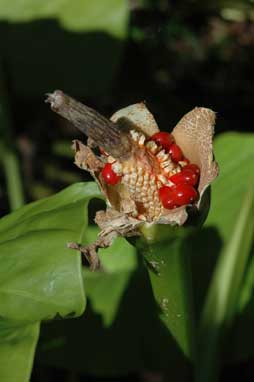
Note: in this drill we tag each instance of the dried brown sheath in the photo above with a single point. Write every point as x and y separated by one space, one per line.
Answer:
101 130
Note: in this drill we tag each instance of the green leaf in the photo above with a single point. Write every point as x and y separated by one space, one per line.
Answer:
225 290
110 16
236 173
236 167
168 266
17 347
120 327
228 190
40 278
106 289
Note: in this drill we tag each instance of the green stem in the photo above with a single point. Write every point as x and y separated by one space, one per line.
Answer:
13 178
169 271
8 155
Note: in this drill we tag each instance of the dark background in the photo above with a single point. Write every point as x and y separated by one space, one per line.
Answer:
175 55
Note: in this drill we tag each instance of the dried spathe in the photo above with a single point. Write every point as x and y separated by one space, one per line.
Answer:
138 191
156 177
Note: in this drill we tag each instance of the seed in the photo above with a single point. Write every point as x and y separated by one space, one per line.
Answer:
185 176
175 153
151 145
109 175
192 167
162 156
176 196
163 139
184 194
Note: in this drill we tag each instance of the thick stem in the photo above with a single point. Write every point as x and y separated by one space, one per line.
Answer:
168 267
102 131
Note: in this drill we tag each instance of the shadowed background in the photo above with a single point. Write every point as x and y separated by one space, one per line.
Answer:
174 55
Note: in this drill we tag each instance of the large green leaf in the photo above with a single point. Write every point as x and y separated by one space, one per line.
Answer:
236 175
236 168
79 15
235 155
225 290
40 278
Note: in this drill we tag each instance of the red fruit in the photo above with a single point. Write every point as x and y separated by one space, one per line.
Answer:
167 197
193 167
163 139
175 153
176 196
184 194
185 176
109 175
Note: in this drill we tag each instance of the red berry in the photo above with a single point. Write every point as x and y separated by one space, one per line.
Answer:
109 175
167 197
176 196
184 194
175 153
185 176
192 167
163 139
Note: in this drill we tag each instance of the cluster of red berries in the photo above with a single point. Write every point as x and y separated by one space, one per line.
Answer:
183 190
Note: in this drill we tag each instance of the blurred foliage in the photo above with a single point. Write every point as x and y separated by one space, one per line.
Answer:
71 14
111 53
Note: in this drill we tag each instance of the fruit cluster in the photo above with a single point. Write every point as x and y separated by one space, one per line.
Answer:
180 187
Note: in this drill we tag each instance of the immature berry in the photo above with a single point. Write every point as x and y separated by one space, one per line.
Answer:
163 139
175 153
109 175
187 175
